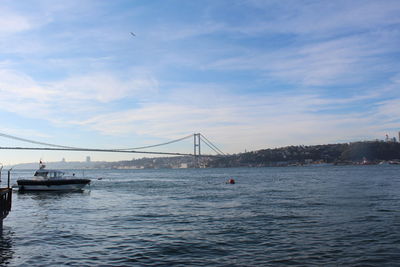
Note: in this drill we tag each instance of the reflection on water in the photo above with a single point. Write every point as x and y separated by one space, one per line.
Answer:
6 246
49 194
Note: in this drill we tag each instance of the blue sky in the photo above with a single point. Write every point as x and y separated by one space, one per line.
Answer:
247 74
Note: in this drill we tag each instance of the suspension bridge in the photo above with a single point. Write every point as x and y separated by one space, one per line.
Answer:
198 140
6 193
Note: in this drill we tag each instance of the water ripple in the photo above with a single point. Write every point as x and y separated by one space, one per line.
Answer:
330 216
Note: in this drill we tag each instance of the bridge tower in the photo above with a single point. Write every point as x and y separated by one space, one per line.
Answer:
197 151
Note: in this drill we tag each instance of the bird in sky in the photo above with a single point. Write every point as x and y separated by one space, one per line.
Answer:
134 35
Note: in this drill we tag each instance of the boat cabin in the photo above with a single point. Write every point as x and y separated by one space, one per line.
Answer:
49 174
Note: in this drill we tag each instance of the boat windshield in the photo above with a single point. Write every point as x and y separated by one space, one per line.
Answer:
41 173
56 174
49 174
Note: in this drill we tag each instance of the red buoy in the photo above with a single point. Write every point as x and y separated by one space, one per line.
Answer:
231 181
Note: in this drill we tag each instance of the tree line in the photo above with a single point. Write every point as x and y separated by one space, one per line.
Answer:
371 151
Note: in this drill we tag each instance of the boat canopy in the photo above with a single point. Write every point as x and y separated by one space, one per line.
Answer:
48 173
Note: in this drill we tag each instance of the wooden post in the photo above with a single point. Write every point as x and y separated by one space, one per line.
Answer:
8 181
5 204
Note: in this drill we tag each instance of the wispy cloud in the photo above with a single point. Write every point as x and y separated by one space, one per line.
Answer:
59 99
322 18
14 22
243 122
345 60
103 87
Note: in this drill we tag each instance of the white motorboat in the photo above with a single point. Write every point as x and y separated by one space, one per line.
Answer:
51 180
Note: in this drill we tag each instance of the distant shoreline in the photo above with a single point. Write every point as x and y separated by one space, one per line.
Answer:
356 153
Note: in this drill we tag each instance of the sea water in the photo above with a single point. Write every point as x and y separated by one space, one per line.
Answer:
302 216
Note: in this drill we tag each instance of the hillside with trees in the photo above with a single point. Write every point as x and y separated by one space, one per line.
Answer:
369 152
347 153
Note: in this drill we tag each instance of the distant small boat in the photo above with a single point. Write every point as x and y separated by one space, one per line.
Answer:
231 181
51 180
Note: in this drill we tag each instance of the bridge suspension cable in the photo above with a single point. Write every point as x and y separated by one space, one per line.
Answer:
211 145
84 148
122 150
162 144
35 142
95 150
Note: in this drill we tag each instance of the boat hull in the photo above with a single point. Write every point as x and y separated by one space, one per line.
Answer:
52 185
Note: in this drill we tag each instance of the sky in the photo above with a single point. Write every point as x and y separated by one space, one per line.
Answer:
247 74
